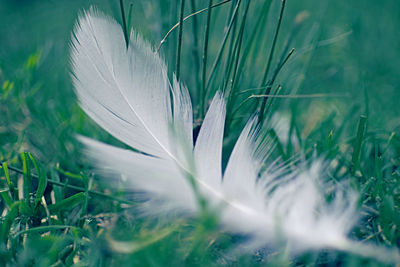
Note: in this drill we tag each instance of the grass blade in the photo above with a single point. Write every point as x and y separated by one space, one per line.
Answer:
121 4
164 39
45 229
271 53
140 243
24 208
41 187
67 203
42 181
78 177
178 53
26 175
195 48
8 179
223 44
251 43
77 188
205 51
8 221
5 194
362 125
238 50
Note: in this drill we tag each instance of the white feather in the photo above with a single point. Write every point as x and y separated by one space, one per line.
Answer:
160 178
208 150
127 92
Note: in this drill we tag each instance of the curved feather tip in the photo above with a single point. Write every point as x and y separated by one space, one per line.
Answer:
127 92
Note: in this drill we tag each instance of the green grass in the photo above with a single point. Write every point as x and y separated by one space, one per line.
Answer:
56 212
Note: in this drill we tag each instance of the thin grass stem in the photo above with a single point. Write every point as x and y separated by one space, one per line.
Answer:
233 60
269 63
269 86
195 49
246 52
361 129
222 47
121 4
187 17
178 53
300 96
307 96
241 33
77 188
271 53
231 50
205 51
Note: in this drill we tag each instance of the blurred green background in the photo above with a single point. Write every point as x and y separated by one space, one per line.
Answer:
346 51
355 53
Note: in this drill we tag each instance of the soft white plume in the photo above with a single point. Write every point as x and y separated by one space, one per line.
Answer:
127 92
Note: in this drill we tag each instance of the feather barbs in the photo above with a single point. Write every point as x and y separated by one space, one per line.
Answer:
127 92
